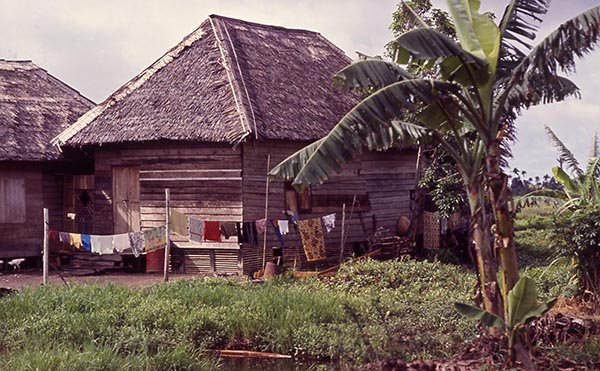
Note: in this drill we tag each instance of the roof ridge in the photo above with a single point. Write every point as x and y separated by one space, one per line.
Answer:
235 89
23 64
243 21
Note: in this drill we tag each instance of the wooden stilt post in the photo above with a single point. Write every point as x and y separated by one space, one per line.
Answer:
45 252
264 259
168 233
342 242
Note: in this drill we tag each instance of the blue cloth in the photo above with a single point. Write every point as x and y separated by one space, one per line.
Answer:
86 242
275 226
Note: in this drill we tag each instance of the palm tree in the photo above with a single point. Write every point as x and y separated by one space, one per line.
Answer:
482 85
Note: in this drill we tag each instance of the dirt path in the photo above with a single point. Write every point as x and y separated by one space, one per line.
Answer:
24 278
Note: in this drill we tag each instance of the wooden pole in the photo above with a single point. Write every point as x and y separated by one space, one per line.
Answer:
45 252
342 238
264 259
168 234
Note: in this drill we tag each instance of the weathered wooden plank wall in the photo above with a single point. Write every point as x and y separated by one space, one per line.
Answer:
43 188
381 183
205 181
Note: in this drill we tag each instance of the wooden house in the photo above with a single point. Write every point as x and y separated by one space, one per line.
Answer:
34 107
204 119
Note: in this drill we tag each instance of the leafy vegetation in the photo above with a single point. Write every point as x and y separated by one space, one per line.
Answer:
370 310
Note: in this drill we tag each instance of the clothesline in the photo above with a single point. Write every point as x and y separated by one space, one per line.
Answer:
198 230
139 242
311 230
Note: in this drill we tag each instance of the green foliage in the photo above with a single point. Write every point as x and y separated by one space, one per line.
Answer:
522 307
369 311
577 236
534 236
444 184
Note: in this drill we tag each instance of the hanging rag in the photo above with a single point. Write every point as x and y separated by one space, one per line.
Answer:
95 242
196 229
179 223
155 238
261 226
64 237
239 228
121 242
329 222
227 229
106 245
75 240
275 225
293 218
313 242
249 233
284 227
212 231
53 235
137 242
86 243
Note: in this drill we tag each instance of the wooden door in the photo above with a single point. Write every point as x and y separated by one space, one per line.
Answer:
126 199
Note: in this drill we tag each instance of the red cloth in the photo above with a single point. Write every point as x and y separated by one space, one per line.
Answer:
212 231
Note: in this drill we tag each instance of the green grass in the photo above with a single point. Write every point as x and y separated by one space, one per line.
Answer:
368 311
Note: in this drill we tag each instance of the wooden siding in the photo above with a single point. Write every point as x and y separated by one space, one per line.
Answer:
42 189
204 179
380 181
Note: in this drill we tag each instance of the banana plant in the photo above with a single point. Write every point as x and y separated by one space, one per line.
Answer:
522 308
482 83
581 188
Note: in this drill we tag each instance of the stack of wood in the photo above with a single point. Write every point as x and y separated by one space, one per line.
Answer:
83 263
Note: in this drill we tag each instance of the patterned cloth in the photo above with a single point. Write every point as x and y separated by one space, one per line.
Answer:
75 240
196 229
179 223
261 226
121 242
313 242
137 242
155 238
212 231
329 222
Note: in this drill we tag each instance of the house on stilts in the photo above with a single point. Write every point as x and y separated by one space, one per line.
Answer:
203 121
34 107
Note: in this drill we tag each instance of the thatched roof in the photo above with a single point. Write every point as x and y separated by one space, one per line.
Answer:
34 107
227 80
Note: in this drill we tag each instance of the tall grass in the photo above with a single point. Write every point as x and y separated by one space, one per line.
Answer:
369 311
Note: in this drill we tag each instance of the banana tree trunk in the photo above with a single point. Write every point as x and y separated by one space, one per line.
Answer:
486 262
504 244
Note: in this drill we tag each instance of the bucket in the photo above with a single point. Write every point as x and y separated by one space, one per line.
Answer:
271 270
155 261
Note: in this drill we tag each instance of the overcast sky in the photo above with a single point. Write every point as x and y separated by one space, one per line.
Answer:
96 46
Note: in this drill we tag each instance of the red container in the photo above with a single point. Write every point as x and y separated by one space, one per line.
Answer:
155 261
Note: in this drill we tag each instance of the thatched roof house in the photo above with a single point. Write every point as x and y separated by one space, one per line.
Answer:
226 81
34 107
203 120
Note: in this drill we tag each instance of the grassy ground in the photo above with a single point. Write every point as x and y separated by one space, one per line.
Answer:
367 312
